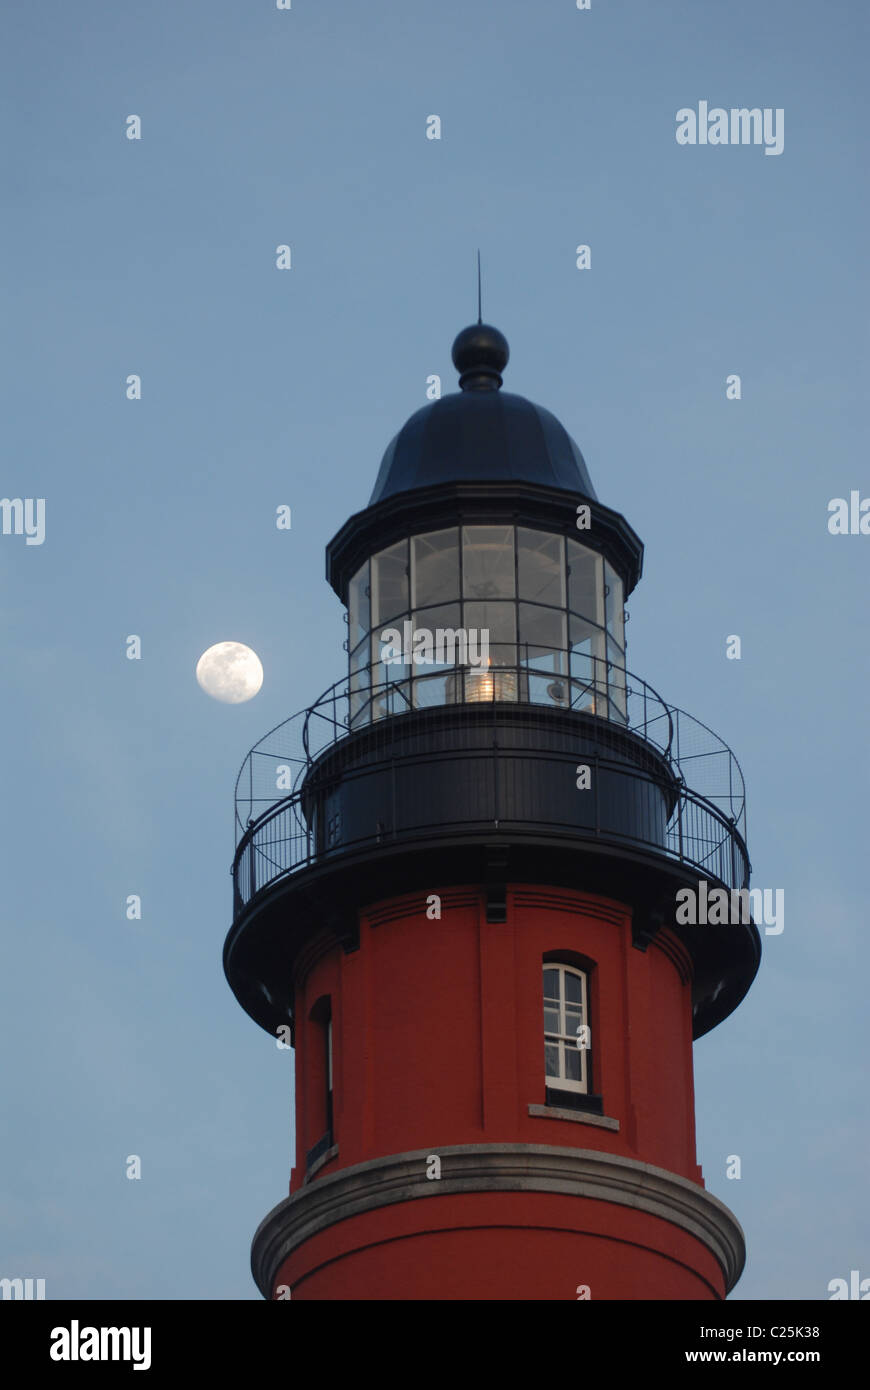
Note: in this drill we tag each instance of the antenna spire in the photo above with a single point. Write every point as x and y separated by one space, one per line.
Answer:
479 317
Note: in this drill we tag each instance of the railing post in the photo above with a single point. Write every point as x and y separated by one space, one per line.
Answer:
730 785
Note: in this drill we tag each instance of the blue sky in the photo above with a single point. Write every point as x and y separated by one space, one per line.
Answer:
259 387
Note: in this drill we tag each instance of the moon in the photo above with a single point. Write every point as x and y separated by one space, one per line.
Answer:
230 671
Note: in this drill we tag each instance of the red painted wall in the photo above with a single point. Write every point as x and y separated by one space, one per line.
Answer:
503 1246
438 1041
438 1031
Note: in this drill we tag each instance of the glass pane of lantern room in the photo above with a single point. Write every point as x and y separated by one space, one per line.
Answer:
488 562
358 607
495 623
616 682
585 583
613 601
360 692
360 658
448 647
588 667
388 658
389 584
434 690
540 567
543 642
434 570
443 648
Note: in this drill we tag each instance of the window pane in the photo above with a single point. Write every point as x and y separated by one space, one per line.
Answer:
544 689
573 988
435 567
542 638
551 1020
390 583
572 1063
613 604
360 697
616 681
498 621
551 1059
359 659
488 562
585 583
394 699
540 567
358 616
573 1017
389 656
483 685
448 649
551 984
432 690
588 667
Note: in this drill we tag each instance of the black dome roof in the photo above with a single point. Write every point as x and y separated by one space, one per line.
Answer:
482 434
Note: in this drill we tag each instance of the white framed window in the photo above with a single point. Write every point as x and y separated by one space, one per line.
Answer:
566 1028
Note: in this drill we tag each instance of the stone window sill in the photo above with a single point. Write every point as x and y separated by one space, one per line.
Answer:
580 1117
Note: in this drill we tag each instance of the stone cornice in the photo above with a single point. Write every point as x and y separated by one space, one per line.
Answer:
465 1168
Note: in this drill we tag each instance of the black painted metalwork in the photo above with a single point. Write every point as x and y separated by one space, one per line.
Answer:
487 792
484 436
384 786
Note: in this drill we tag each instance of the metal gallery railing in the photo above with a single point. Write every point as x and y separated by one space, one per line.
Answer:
706 828
695 834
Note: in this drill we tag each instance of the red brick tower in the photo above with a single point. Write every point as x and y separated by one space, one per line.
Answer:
455 891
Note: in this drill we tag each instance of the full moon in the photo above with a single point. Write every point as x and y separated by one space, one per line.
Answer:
230 671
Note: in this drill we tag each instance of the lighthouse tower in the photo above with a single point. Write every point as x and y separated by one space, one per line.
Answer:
455 895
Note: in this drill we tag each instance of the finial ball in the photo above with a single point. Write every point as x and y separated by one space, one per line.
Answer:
480 355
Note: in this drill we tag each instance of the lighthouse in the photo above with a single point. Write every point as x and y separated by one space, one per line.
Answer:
455 896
